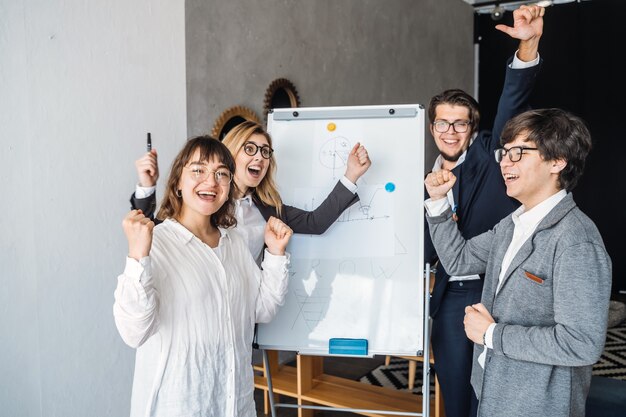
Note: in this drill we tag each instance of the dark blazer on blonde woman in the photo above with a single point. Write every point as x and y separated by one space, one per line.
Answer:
313 222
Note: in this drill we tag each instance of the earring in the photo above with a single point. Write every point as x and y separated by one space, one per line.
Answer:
178 193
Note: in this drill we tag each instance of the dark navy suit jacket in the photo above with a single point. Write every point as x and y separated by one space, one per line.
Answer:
479 193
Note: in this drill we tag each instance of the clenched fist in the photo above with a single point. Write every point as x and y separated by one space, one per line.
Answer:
277 235
138 231
358 163
438 183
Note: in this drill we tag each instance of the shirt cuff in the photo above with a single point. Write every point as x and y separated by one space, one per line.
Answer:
348 184
271 259
436 207
519 64
143 192
135 268
489 336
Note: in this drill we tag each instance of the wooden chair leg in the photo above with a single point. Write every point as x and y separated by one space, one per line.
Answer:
387 360
412 370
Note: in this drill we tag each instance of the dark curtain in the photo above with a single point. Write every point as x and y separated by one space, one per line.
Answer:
583 47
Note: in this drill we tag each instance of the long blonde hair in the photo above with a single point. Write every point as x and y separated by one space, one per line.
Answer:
210 148
234 140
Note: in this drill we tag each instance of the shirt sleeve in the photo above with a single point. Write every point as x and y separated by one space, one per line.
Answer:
349 184
136 303
519 64
272 286
489 336
144 192
436 207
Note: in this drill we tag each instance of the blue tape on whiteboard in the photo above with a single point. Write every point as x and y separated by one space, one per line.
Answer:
341 346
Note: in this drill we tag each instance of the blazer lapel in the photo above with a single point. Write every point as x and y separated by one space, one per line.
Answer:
498 257
523 254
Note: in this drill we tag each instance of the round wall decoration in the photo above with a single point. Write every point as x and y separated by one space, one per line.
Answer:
230 118
281 93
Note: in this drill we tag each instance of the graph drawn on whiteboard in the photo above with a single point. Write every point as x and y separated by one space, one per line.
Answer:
368 208
312 300
333 146
334 155
349 236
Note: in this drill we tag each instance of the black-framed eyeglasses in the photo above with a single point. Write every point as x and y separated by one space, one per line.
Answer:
251 148
200 173
515 153
442 126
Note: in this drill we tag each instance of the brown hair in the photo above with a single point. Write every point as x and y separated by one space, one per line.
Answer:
210 149
234 140
456 97
558 135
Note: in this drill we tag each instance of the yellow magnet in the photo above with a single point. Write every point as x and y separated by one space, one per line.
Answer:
331 126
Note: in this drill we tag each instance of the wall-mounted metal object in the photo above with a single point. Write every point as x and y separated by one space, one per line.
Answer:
498 8
230 118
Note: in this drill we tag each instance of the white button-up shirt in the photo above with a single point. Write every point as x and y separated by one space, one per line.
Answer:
190 312
251 225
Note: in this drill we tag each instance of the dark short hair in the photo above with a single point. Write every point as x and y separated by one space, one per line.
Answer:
558 135
210 148
456 97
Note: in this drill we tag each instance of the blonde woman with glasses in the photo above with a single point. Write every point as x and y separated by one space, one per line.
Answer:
256 195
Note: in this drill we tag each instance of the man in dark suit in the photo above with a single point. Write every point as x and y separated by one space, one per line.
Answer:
478 200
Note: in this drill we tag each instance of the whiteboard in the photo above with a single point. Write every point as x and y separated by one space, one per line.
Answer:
364 277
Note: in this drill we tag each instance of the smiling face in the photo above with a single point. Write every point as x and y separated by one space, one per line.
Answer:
451 144
250 170
202 195
532 179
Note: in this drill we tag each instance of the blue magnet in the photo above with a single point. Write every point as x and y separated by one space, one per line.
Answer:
390 187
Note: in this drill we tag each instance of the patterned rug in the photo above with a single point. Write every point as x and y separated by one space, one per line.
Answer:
396 375
612 364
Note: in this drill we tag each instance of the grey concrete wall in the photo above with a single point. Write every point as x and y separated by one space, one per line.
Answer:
336 52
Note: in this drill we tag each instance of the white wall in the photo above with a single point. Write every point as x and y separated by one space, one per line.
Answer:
81 82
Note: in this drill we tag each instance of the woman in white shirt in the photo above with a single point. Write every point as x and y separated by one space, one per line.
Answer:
255 190
191 293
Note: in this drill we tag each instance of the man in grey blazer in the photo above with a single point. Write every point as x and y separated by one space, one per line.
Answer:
541 323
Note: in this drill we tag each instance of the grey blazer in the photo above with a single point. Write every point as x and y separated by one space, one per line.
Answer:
551 310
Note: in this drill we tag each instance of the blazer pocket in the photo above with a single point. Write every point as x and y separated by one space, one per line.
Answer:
534 277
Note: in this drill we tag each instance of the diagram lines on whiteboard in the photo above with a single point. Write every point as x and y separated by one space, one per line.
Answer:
334 155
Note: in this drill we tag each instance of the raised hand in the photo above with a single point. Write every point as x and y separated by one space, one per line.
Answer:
528 28
138 231
527 23
148 169
358 163
277 235
438 183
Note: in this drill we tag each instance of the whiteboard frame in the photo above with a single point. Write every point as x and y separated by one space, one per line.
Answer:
364 112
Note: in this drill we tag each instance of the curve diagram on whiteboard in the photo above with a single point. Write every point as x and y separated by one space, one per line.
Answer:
334 155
